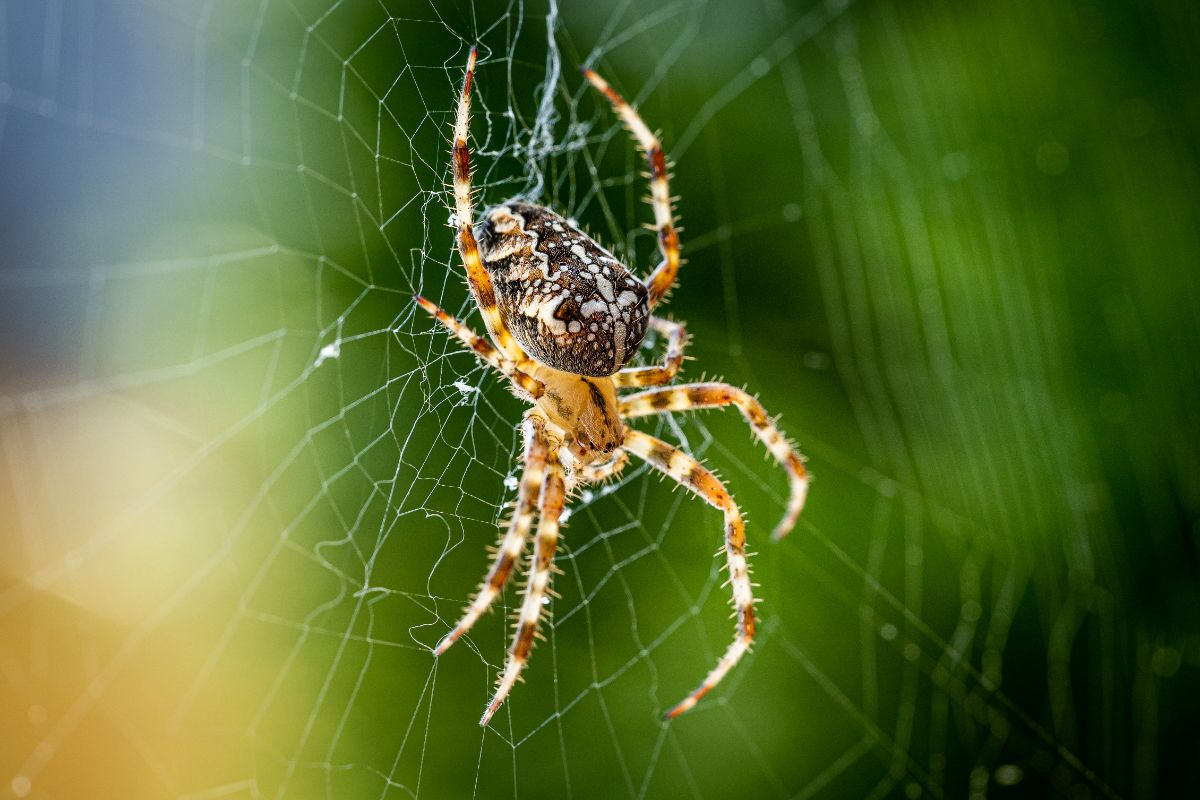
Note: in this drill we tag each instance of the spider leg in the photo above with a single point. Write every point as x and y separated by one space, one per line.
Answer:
663 277
595 473
477 275
688 472
540 565
530 388
718 395
513 541
676 333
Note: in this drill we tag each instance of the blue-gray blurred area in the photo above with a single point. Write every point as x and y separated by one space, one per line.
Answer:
97 130
245 486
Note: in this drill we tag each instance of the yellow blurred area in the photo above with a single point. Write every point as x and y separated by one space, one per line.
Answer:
121 532
94 677
126 564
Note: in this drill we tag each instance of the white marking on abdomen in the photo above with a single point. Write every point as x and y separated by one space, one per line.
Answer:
593 307
546 311
604 285
619 341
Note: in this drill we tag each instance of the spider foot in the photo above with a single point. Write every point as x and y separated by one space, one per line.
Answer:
739 647
447 640
799 494
512 673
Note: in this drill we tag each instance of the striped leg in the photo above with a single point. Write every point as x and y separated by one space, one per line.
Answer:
595 473
540 564
717 395
663 277
513 541
676 333
477 276
527 386
688 472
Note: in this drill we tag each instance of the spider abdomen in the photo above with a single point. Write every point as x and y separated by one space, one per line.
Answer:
568 302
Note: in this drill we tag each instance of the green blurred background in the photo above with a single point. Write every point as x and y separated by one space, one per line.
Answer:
246 488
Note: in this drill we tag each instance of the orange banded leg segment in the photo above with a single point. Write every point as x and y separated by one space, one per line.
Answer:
676 333
513 541
595 473
477 275
529 387
688 472
540 567
718 395
663 277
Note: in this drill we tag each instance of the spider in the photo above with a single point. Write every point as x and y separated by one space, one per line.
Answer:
563 317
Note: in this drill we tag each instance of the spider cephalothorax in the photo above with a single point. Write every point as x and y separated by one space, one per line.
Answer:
564 317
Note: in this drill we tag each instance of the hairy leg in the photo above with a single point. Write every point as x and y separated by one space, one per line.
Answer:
688 472
595 473
513 541
717 395
541 563
525 385
676 333
663 277
477 275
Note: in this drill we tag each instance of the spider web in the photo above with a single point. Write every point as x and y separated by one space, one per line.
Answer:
247 486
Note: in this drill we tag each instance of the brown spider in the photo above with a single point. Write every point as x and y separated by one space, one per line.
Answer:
564 316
